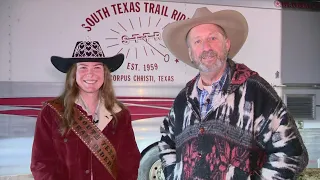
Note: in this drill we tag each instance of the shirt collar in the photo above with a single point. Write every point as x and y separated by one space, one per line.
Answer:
103 112
219 84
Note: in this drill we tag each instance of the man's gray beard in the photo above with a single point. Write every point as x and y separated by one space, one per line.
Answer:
217 65
202 68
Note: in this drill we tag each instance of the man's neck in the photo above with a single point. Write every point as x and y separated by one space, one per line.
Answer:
208 78
91 100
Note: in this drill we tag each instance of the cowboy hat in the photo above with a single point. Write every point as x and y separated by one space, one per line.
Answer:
234 24
87 51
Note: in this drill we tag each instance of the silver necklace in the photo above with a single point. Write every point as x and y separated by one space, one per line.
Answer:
95 116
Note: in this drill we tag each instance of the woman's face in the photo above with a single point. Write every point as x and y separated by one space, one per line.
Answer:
89 76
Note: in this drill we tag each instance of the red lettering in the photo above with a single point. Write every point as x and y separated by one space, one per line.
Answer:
145 36
151 8
137 4
150 67
114 8
105 12
146 7
132 66
99 12
90 22
174 13
177 16
182 17
156 9
119 8
125 7
136 37
95 18
121 77
143 78
304 6
166 78
164 11
125 39
156 36
86 27
298 5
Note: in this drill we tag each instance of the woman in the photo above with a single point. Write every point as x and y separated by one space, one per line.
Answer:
86 133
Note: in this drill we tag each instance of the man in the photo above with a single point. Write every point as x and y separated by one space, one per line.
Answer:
228 122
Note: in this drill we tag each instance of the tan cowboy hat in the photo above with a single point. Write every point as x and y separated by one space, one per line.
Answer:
233 22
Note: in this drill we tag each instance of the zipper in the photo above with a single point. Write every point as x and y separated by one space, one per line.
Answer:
208 113
196 114
193 110
211 110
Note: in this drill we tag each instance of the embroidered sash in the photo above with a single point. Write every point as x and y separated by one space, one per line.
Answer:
92 137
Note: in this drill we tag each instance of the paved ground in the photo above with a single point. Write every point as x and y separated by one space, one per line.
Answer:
16 136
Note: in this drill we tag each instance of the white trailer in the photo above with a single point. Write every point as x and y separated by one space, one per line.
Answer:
282 46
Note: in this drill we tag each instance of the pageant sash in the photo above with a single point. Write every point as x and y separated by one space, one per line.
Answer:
92 137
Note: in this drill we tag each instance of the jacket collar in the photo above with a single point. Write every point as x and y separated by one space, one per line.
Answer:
237 75
105 116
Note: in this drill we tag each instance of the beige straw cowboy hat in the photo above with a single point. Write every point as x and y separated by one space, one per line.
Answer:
233 22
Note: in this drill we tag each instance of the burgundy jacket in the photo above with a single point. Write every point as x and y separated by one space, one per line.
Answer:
57 157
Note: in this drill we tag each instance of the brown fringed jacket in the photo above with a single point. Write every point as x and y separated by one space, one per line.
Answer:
248 134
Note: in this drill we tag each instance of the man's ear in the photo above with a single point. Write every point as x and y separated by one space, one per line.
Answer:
228 44
190 54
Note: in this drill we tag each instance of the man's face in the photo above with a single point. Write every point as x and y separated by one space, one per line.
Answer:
208 47
89 76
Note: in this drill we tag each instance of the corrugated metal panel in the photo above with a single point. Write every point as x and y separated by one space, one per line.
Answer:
301 106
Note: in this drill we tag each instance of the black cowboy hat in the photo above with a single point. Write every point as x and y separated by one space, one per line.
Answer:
87 51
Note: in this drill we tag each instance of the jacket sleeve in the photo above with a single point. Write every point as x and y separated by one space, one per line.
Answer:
43 157
129 158
167 145
287 156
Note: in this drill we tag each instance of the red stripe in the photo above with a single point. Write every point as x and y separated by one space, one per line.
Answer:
138 117
36 101
22 112
146 110
23 101
137 111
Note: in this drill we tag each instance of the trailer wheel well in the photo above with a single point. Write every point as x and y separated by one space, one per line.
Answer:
148 148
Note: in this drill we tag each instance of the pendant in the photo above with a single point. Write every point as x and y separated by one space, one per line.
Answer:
96 121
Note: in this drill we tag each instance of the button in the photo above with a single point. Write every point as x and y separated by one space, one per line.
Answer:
199 155
87 171
201 130
65 140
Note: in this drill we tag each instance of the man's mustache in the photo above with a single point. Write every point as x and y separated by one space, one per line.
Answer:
211 53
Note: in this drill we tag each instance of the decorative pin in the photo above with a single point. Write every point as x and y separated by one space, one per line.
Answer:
95 121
